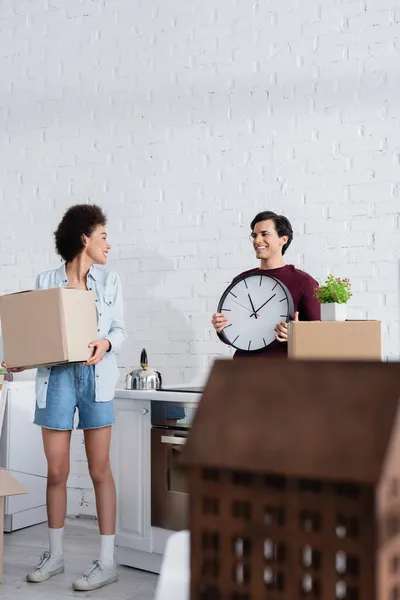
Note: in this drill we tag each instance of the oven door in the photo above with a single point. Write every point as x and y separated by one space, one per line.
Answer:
169 482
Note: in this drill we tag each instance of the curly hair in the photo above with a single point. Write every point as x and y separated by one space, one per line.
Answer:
282 225
79 220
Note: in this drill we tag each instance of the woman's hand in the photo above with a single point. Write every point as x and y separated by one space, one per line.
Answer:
219 321
281 330
15 370
101 347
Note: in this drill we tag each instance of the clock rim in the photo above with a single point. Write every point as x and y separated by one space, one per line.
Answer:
247 276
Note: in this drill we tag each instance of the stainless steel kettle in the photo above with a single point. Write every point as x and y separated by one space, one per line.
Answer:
143 378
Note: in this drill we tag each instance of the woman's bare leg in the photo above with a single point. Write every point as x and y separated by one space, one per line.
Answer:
57 449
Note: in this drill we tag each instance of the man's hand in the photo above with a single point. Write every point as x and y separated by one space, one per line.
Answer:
219 322
15 370
101 347
281 330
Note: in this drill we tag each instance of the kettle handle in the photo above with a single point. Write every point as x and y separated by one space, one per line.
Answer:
159 374
143 358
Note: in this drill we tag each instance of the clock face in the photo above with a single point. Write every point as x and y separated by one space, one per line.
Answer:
254 304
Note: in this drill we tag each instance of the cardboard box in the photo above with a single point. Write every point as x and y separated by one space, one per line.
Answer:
8 487
47 327
330 340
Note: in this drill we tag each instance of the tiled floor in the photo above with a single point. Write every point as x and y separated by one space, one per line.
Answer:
23 548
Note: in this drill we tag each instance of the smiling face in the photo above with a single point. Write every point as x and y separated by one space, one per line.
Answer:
267 243
96 246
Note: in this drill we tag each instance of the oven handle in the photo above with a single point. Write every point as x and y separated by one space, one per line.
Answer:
170 439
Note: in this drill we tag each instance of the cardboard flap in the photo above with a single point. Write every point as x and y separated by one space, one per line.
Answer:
10 486
20 292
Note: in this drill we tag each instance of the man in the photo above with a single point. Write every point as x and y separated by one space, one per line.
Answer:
271 236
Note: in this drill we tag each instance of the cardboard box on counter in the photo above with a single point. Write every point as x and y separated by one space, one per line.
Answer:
330 340
8 487
47 327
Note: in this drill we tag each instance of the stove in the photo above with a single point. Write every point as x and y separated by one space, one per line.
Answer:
190 390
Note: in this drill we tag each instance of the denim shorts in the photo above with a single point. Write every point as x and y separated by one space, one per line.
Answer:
72 387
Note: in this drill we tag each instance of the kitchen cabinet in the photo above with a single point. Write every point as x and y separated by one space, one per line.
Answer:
21 453
130 456
139 544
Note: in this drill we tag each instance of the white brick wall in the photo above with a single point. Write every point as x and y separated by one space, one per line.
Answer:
183 119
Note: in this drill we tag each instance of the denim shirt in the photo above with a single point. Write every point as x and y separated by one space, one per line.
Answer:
106 286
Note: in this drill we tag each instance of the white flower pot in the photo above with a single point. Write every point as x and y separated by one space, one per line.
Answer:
332 311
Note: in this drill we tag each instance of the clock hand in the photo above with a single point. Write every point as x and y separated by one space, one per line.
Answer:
252 306
242 305
262 305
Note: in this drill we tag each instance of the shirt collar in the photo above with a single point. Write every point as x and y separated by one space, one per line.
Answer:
61 274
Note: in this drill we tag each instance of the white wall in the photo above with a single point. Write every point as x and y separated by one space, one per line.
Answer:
184 119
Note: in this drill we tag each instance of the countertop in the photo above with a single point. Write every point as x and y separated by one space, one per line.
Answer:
164 396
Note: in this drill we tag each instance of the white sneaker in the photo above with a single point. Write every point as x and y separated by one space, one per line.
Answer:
96 577
48 566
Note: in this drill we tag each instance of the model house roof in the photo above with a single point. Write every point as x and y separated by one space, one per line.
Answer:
327 420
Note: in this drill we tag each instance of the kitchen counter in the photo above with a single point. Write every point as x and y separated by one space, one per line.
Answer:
138 543
160 396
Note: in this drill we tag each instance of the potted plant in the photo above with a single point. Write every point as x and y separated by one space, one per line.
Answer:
333 296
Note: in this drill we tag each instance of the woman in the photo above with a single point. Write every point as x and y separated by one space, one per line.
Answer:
81 241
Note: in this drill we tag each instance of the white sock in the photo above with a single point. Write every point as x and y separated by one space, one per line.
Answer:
107 550
55 541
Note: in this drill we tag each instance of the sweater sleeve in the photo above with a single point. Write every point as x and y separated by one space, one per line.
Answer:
309 307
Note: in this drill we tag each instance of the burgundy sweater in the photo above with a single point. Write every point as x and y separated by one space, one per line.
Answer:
301 286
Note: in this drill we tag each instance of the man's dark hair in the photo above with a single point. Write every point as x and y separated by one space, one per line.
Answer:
282 225
79 220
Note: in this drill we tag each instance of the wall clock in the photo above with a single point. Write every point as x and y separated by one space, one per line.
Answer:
254 304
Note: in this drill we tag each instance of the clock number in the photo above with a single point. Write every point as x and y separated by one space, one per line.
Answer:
235 339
